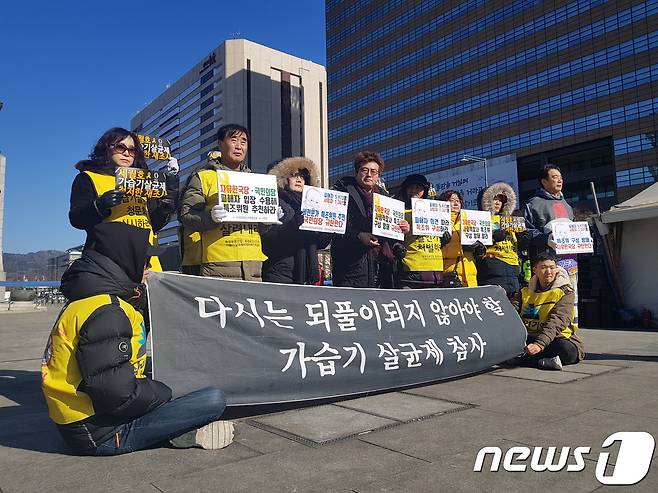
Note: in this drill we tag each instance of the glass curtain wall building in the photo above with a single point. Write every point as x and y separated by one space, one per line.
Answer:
279 98
424 82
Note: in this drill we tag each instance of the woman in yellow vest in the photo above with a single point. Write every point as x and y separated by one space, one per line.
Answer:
547 310
500 264
422 265
457 257
94 198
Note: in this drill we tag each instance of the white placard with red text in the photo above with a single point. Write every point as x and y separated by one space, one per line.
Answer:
430 217
386 216
324 210
475 226
572 237
248 197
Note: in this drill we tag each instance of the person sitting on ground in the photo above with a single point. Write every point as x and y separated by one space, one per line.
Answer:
93 368
547 310
292 254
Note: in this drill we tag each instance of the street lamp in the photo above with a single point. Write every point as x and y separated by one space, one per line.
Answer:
467 158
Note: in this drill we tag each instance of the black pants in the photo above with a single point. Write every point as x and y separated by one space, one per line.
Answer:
564 348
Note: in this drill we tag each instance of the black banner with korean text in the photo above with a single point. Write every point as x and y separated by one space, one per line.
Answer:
269 343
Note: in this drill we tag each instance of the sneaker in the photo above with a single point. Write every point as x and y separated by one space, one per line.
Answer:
213 436
554 363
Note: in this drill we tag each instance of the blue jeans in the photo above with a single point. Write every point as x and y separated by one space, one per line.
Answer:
170 420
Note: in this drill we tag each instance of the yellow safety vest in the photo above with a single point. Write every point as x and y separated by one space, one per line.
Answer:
132 210
60 374
503 250
456 259
535 308
191 249
228 242
423 252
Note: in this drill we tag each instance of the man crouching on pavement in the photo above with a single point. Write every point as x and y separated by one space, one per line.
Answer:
547 310
93 367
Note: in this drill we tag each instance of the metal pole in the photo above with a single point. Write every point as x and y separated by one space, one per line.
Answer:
596 200
486 177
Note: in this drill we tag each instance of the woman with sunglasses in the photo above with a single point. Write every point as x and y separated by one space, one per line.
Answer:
94 198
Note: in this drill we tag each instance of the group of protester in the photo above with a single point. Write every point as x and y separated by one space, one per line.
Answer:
94 368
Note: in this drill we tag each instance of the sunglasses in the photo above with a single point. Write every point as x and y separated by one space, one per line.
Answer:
122 149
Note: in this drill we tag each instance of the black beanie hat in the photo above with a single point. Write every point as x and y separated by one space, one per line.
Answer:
415 179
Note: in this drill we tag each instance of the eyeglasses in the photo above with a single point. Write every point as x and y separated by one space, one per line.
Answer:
122 148
368 171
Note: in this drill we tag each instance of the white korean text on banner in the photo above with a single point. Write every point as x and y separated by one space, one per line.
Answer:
386 216
475 226
155 147
267 343
572 238
140 182
430 217
248 197
324 210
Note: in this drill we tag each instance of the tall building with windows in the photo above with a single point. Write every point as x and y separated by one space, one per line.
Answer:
279 98
424 82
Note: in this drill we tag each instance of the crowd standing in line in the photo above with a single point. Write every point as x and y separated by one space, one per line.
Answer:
94 368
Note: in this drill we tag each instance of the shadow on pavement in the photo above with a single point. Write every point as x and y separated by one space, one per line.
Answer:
619 357
25 424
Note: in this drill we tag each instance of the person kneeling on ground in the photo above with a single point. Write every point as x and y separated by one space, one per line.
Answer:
92 370
547 310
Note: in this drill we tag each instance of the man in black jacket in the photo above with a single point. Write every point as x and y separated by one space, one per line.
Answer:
93 368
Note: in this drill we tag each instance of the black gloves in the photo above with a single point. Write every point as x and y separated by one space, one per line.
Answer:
173 182
499 235
399 250
523 240
445 238
108 200
477 248
298 218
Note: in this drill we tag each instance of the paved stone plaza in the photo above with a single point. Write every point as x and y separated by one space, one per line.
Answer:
420 439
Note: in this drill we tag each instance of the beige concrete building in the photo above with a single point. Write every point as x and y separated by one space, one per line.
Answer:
281 99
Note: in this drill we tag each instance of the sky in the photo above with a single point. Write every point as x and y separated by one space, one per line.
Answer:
69 70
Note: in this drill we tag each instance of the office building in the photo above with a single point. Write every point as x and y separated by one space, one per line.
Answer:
279 98
425 82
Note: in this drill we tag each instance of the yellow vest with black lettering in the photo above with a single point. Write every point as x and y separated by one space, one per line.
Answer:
60 374
503 250
423 252
535 308
132 210
456 259
228 242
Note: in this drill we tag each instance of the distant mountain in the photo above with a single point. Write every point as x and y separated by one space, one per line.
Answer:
31 266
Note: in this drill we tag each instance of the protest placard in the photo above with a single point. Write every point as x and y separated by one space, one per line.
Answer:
248 197
324 210
386 216
155 147
430 217
475 226
514 224
572 237
267 343
140 182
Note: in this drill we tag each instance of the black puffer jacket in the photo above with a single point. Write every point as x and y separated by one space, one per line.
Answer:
352 263
103 356
292 253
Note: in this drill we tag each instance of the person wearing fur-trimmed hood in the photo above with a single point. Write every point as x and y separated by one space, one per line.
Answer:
292 256
500 264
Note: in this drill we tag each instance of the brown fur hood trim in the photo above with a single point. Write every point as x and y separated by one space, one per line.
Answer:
499 188
292 165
